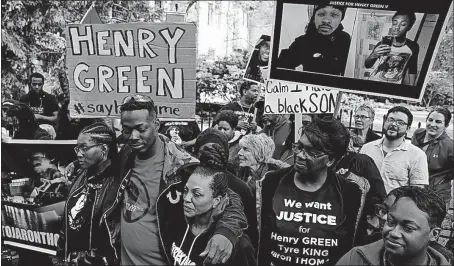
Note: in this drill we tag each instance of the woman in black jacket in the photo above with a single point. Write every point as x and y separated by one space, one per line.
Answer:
87 239
187 225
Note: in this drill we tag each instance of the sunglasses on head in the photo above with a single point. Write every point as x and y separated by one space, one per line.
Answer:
138 98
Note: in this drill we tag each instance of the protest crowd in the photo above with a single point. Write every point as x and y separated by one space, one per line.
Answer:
253 188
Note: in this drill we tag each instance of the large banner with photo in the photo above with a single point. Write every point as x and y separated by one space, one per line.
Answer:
108 62
383 48
34 192
30 227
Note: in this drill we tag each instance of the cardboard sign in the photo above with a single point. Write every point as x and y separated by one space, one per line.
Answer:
107 63
291 98
360 49
32 228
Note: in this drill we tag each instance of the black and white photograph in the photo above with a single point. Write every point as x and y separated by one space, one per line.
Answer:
391 45
257 67
357 47
227 133
318 41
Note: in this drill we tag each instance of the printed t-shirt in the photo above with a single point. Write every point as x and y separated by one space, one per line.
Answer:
79 216
184 253
245 114
140 244
308 224
393 67
44 104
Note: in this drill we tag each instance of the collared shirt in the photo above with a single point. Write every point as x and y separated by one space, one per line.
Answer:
405 165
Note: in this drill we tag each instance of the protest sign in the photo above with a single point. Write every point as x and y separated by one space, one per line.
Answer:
107 63
257 67
361 49
26 226
291 98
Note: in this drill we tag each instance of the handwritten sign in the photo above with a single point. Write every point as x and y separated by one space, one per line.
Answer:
291 98
107 63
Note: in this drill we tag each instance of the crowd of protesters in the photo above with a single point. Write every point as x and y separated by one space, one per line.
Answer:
246 191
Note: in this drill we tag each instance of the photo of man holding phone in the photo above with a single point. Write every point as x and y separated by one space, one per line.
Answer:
394 58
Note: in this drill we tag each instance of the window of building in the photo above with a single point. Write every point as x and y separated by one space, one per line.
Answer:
210 13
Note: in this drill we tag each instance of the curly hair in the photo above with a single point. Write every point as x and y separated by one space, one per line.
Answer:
101 133
261 146
328 135
228 116
368 109
426 200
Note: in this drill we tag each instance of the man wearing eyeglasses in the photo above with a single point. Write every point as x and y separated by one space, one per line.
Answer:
308 214
400 163
364 119
149 163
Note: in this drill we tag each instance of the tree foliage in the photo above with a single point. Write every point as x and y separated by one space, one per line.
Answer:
219 80
439 90
33 37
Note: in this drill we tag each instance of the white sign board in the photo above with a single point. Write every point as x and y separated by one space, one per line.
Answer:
283 97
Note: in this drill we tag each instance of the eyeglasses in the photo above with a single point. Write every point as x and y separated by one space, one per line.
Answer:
362 117
399 122
83 150
298 148
381 210
306 123
137 98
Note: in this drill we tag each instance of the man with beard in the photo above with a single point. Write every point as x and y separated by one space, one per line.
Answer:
307 214
400 163
259 60
43 105
324 48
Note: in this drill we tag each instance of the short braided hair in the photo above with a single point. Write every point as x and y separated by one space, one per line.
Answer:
219 183
101 133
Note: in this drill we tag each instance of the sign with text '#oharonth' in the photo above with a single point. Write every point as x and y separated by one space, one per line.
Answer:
108 62
283 97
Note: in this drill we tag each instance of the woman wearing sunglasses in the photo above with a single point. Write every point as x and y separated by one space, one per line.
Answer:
87 239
